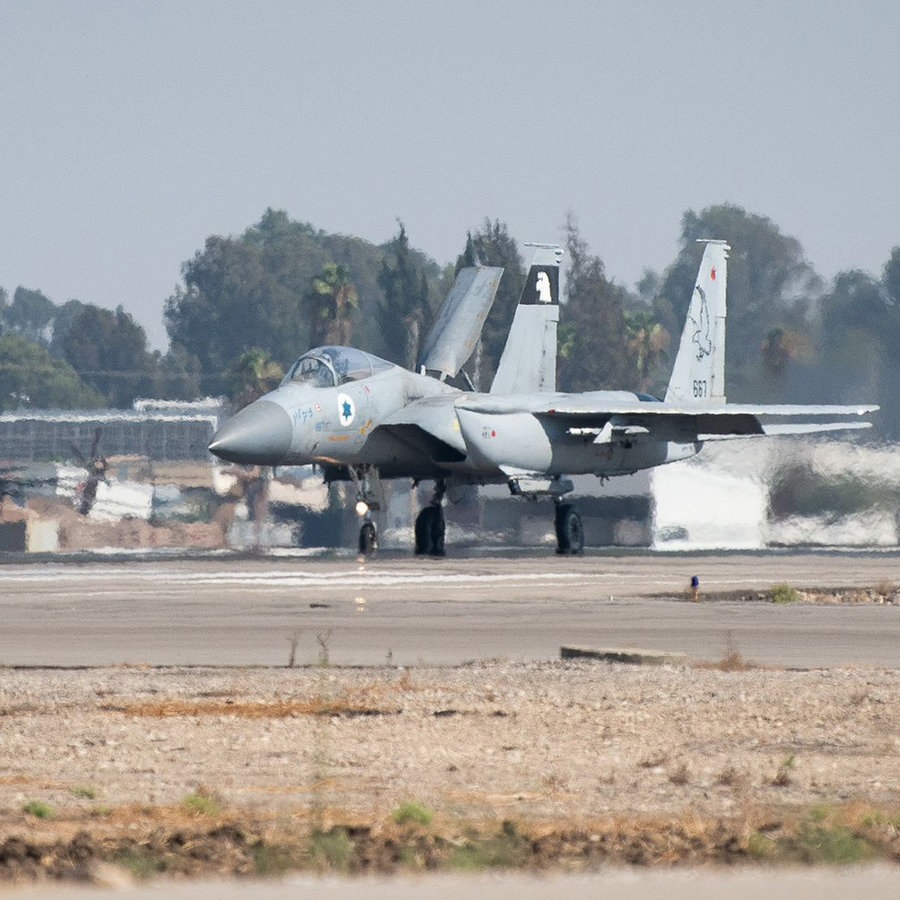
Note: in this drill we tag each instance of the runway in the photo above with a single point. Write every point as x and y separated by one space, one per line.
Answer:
230 611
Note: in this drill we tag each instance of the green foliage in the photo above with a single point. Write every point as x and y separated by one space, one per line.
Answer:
251 375
412 813
332 850
84 793
141 861
257 290
770 285
273 860
29 315
405 310
38 810
505 850
648 342
201 803
178 375
820 838
784 594
594 340
31 378
109 352
332 303
492 245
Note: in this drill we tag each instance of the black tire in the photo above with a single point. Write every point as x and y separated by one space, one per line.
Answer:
569 530
430 532
368 538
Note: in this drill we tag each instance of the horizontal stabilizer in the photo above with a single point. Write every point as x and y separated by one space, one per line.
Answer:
603 404
459 321
774 430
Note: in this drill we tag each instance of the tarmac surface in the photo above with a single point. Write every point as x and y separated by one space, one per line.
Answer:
796 884
239 611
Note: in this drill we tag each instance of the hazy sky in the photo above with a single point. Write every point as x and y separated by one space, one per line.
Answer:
131 131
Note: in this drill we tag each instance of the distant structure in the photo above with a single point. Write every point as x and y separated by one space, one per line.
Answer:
157 430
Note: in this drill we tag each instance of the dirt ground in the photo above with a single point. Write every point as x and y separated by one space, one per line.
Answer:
251 770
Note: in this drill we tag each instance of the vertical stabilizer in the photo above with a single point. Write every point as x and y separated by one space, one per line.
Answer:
528 363
698 376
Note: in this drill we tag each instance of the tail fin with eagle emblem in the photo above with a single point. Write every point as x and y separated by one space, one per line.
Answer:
698 376
528 363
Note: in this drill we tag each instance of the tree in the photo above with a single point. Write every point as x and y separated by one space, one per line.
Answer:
251 375
332 303
62 321
109 352
31 378
857 335
177 375
648 342
29 315
254 291
493 246
405 309
770 286
593 336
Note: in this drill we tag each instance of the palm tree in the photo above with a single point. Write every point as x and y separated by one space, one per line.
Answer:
648 342
251 375
337 301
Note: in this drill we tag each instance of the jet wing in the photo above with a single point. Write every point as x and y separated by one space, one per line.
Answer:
428 427
459 321
619 414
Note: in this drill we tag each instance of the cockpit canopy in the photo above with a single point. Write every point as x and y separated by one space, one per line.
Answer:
333 366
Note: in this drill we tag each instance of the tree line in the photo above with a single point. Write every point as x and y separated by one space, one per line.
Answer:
250 304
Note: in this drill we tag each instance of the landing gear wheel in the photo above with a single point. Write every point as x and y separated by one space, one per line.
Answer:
368 538
569 530
430 529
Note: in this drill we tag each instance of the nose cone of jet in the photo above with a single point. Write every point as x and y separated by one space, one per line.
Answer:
260 434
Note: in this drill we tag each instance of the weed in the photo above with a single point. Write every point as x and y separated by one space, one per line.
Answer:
140 861
201 803
506 850
412 813
332 850
832 844
38 810
271 860
784 594
783 775
819 838
729 777
84 793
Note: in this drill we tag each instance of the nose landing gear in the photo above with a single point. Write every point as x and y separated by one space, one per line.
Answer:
368 538
369 497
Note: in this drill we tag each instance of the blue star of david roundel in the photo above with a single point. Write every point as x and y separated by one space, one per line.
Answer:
346 409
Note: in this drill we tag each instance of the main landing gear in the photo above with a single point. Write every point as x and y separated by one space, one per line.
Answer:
569 530
430 525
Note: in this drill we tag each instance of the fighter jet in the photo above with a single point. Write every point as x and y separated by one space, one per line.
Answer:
363 418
